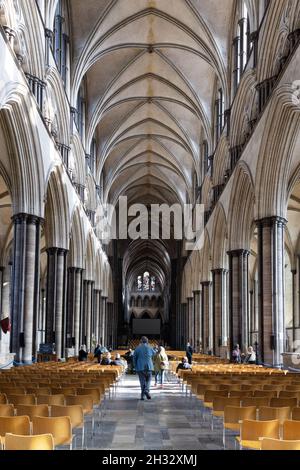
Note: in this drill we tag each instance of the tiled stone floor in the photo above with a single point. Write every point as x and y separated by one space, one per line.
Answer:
166 422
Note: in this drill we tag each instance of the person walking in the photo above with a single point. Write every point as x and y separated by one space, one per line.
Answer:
161 363
143 364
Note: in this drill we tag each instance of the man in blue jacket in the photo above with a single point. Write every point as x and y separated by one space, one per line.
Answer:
143 365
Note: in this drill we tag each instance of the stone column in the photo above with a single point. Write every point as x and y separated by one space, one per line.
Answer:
97 295
271 289
59 303
55 306
100 317
104 321
51 294
190 320
88 313
207 341
296 306
25 284
74 303
238 298
219 308
185 325
197 320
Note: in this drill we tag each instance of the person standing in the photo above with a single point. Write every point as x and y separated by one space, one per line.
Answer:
189 352
143 365
161 363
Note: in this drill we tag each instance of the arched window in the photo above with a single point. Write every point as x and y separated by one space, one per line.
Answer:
60 44
241 45
146 283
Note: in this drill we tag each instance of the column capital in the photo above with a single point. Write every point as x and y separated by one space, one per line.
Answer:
28 218
206 283
52 251
196 292
219 271
271 221
238 253
62 252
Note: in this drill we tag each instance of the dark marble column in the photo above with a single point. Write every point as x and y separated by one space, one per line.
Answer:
25 285
296 317
271 289
97 296
88 313
238 298
55 307
197 339
190 320
73 312
207 317
104 320
219 308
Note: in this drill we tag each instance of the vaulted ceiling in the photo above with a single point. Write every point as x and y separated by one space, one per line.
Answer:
151 68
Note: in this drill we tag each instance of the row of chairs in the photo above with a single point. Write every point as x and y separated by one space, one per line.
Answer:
41 405
259 406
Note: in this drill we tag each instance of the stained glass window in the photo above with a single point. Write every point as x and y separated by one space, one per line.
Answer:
146 283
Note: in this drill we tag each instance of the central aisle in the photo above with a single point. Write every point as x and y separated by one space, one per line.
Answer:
166 422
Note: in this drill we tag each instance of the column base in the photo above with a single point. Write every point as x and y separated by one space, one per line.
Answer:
6 360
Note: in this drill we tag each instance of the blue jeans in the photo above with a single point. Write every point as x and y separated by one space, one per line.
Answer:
145 381
159 377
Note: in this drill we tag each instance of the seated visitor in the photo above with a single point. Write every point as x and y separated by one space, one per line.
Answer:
118 361
106 361
82 355
250 356
184 364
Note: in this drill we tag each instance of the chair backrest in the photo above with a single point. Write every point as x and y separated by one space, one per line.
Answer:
235 414
15 425
266 413
219 403
64 391
40 442
21 399
256 401
209 395
75 413
240 393
265 393
252 430
32 410
51 400
278 444
293 388
296 413
3 399
60 428
277 402
86 401
291 430
7 410
94 392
